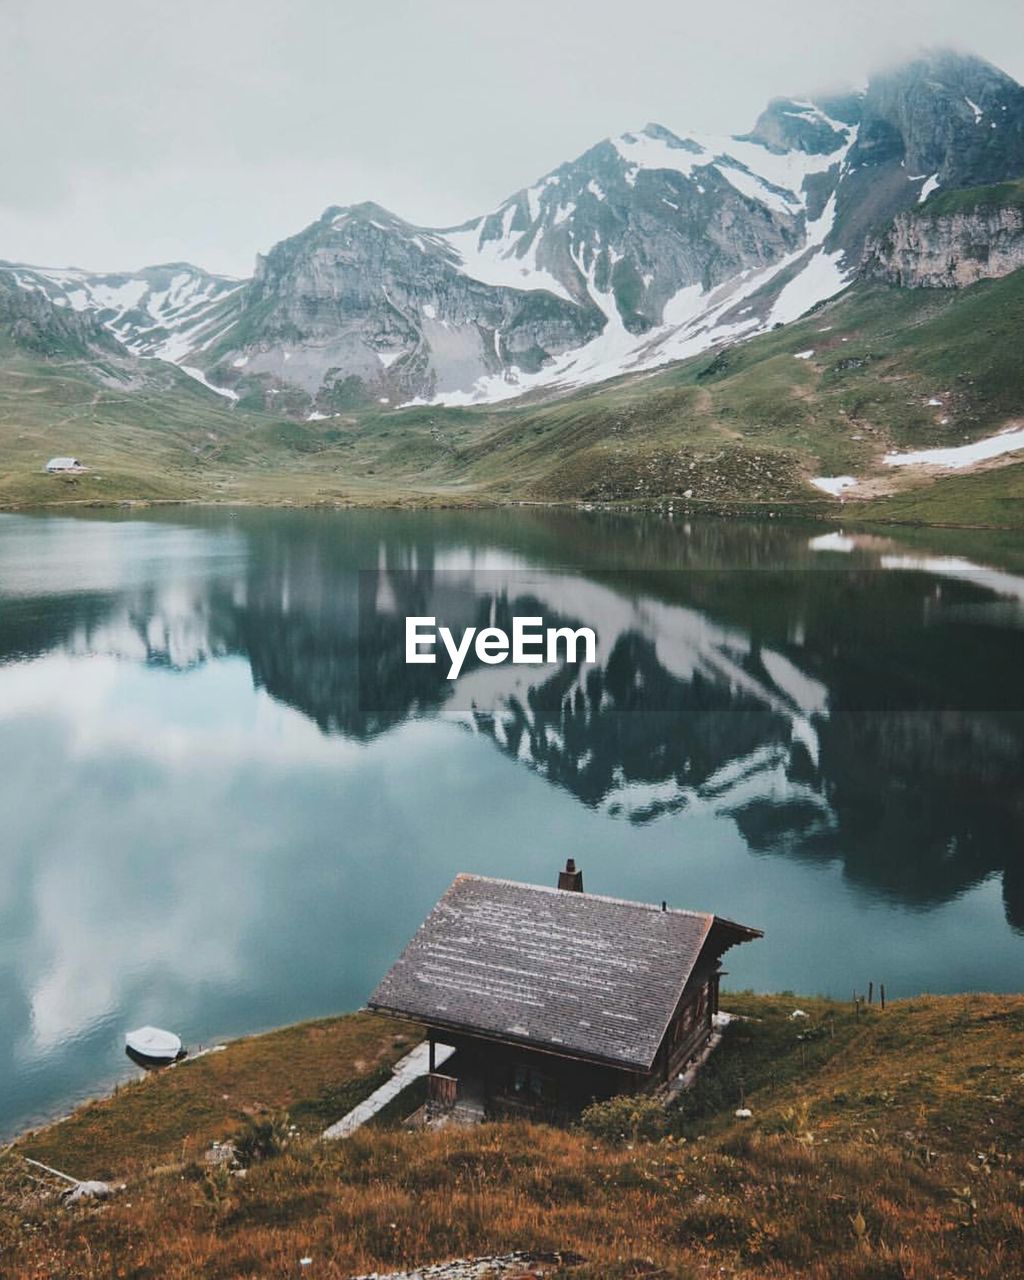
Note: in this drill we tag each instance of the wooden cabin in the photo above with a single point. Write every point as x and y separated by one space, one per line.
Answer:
553 997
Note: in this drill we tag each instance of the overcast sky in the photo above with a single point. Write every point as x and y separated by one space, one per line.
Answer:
135 132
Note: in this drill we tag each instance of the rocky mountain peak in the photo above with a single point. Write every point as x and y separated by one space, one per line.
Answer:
366 212
948 114
797 124
648 247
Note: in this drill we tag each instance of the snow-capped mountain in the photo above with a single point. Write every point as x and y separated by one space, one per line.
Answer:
666 237
33 321
642 250
647 248
167 311
361 295
159 311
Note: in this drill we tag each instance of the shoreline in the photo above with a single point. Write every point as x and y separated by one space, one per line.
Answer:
268 1036
65 1111
270 1045
679 508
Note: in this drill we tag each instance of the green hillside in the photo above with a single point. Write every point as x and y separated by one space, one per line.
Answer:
743 429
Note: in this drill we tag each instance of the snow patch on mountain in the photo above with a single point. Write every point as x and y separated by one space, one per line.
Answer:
159 311
754 188
508 262
957 456
821 278
199 376
834 485
644 151
931 184
692 319
772 178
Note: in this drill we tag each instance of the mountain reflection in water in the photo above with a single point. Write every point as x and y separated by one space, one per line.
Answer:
842 703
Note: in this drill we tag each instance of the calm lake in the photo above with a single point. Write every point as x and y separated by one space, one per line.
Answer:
226 802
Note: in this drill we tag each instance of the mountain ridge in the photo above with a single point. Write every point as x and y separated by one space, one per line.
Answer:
647 248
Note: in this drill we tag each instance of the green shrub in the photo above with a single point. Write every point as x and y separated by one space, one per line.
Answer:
629 1118
260 1138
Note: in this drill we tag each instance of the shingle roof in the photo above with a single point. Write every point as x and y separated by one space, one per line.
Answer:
575 973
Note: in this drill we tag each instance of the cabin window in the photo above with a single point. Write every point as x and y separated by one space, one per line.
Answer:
531 1084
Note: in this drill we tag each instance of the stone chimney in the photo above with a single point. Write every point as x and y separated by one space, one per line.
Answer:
570 878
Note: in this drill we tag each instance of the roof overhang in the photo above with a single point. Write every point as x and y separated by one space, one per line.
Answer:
511 1040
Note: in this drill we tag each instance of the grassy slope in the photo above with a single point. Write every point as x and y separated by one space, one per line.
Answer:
317 1071
740 431
882 1146
176 442
145 444
1004 195
754 423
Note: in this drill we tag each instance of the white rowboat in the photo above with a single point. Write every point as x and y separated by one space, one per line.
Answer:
152 1042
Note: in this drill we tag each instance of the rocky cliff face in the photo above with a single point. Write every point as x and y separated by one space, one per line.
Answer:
30 320
649 247
630 255
363 296
35 322
162 311
646 248
952 243
120 319
952 119
941 123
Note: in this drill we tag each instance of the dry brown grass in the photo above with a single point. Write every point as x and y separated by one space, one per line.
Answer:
895 1155
312 1070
